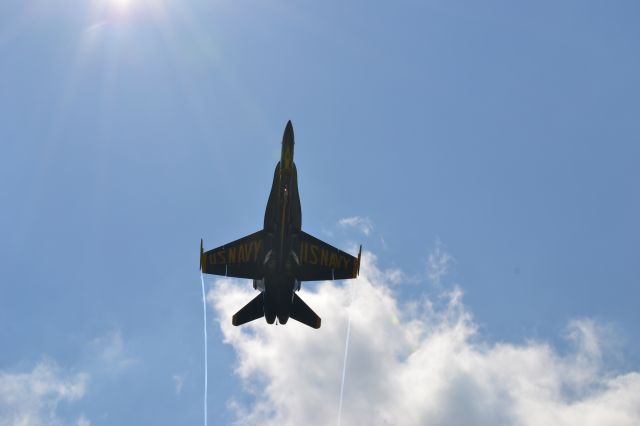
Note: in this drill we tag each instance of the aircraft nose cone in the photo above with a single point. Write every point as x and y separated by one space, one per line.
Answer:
287 138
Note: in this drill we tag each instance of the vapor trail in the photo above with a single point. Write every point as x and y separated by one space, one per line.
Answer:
204 310
344 368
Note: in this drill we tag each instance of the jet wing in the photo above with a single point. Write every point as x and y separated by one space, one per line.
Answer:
240 259
319 261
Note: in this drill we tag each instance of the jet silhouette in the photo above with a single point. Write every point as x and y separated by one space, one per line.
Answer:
280 256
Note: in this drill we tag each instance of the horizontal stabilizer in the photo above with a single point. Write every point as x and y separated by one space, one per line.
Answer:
251 311
300 311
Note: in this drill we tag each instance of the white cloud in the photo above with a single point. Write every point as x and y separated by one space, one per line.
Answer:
438 264
364 224
83 421
178 380
415 364
111 354
31 399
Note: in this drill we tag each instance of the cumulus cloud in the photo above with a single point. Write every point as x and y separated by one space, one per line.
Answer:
420 363
364 224
32 399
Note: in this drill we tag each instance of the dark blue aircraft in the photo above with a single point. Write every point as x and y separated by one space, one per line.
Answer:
280 256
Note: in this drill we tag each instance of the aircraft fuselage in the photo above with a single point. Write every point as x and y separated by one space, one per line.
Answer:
282 221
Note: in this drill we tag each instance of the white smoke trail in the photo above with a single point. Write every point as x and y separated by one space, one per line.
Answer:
344 368
204 310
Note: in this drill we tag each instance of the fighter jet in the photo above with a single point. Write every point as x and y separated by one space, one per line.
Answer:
279 257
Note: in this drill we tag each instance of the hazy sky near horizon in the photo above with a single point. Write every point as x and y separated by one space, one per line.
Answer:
486 150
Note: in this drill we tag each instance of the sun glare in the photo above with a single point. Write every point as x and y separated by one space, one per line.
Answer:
121 6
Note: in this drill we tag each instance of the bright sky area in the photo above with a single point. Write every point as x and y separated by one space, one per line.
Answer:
486 153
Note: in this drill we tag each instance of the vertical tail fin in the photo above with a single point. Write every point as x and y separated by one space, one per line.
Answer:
251 311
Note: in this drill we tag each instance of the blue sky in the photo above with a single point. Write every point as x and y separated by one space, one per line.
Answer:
504 134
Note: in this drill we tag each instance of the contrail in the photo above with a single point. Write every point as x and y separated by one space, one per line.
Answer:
344 368
204 310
